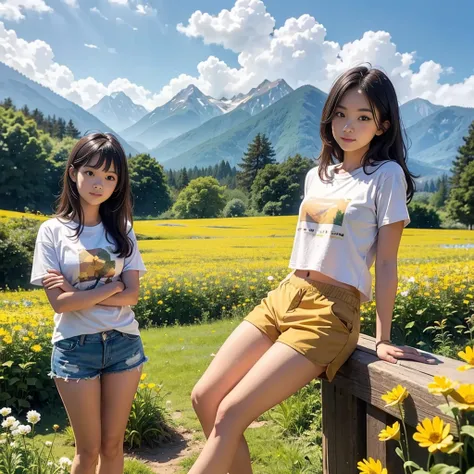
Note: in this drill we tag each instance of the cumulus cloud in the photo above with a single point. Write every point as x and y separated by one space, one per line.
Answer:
297 51
13 10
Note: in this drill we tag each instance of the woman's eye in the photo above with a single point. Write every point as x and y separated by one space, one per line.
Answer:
112 178
339 114
364 118
91 173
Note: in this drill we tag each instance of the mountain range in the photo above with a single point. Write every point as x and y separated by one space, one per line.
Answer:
24 91
194 129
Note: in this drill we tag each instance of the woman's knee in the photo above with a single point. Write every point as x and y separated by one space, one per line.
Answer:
111 447
203 399
230 416
88 456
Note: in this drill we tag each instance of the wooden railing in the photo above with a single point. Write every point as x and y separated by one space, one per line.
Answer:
354 413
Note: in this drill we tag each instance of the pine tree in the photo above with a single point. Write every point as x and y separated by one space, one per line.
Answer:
183 179
460 204
71 130
440 197
259 154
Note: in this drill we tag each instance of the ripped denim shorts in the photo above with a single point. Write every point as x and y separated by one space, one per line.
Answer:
91 355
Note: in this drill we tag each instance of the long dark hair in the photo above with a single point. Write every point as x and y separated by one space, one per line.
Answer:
382 97
116 212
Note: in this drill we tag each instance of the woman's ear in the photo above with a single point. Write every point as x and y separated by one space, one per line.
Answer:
72 173
384 127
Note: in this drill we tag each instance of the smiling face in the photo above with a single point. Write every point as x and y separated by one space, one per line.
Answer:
95 186
354 125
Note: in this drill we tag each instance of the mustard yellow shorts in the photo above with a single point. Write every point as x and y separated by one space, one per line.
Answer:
319 320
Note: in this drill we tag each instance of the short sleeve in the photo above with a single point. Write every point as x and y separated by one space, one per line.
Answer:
135 261
391 201
308 180
44 257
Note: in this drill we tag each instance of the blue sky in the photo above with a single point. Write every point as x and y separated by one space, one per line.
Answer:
148 50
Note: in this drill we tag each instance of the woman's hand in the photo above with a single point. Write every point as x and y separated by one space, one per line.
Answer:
392 353
55 279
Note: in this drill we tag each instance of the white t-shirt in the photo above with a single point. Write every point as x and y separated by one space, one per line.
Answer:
339 221
86 262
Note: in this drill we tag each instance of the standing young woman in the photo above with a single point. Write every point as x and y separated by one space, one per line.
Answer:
87 259
353 212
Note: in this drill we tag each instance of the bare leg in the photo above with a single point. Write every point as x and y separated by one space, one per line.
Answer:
279 373
235 358
82 401
118 390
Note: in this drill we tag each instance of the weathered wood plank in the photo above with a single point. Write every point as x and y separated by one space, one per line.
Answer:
344 439
368 378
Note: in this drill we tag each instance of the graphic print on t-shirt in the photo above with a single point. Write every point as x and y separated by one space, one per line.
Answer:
324 211
94 265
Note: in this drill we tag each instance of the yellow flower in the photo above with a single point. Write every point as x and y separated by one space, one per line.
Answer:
17 327
151 385
433 435
371 467
441 385
468 356
36 348
26 338
390 432
464 396
397 395
143 377
7 339
142 385
55 427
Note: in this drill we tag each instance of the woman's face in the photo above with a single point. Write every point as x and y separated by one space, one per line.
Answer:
354 125
95 186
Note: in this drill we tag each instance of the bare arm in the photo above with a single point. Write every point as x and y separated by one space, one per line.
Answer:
386 283
129 296
63 301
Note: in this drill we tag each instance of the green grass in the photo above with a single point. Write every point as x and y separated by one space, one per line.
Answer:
178 356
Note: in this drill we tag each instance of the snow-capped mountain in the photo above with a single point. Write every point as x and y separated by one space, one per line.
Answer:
118 111
186 110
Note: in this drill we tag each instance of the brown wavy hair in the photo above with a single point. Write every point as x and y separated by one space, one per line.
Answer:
382 98
116 212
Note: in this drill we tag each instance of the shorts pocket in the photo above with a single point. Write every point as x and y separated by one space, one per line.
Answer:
67 345
343 313
132 337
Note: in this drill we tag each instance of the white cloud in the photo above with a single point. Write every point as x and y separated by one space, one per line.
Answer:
13 9
238 29
98 12
119 2
145 10
112 50
91 46
297 51
72 3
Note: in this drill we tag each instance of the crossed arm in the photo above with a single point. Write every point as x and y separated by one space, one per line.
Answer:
64 297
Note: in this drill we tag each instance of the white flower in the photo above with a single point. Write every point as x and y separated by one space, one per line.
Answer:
270 278
33 417
405 293
13 444
15 425
24 429
48 443
15 433
5 411
50 463
411 280
65 462
3 441
8 422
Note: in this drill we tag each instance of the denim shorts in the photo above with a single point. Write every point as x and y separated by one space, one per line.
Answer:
91 355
